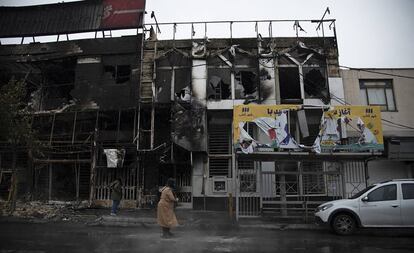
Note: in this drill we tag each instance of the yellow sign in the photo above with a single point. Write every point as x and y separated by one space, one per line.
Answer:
369 115
248 113
366 120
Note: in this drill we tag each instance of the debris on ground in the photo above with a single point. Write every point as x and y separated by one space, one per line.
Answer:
49 210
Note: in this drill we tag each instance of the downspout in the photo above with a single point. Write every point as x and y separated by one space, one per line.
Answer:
366 161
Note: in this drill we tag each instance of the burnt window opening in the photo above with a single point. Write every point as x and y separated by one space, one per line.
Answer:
219 77
303 74
126 125
219 83
63 127
246 84
315 83
118 73
163 85
108 124
289 85
145 128
42 126
173 74
218 88
57 84
313 119
85 125
182 84
160 124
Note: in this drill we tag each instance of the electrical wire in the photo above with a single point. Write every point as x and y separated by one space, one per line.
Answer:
375 72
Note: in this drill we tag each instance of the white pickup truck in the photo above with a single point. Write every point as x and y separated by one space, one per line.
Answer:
387 204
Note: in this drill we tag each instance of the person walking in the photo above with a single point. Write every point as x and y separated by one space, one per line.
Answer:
116 195
165 210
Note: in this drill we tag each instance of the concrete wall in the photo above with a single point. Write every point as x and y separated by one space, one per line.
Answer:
403 94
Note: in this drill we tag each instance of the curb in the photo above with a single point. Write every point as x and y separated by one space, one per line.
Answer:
152 222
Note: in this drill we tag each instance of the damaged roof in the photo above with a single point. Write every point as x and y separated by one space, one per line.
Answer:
54 50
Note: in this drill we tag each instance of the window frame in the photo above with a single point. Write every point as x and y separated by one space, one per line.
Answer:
402 190
388 84
295 63
383 186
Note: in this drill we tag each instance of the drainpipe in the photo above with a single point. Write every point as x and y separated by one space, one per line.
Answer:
366 161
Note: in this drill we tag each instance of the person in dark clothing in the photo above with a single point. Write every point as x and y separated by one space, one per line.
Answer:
116 195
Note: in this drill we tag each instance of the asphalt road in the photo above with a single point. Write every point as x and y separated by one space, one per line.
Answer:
76 237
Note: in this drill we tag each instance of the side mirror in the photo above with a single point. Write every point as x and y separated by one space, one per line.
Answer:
365 199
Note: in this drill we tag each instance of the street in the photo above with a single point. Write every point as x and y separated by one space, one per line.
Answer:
77 237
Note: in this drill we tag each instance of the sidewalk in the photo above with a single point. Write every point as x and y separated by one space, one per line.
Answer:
189 218
37 212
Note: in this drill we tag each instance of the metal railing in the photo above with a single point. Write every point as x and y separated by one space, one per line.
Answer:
244 29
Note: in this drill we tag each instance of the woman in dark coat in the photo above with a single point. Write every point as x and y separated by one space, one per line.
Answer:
165 210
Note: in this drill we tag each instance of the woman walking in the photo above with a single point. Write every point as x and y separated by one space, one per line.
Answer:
165 211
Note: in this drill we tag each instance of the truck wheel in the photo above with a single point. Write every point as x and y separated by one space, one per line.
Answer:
344 224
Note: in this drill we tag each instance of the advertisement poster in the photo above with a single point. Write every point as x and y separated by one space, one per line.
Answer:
342 129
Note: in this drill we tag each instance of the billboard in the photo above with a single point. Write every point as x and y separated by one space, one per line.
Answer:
341 129
340 123
72 17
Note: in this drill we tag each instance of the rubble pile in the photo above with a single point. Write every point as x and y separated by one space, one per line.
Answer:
52 210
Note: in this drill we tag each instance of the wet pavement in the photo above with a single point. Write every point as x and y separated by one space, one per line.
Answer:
70 236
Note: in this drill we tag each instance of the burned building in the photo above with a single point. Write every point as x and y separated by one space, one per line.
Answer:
260 121
83 98
253 124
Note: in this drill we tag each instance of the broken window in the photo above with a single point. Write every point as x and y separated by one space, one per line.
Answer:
303 70
219 84
315 83
85 125
58 82
246 78
173 78
289 85
126 126
219 77
246 84
42 125
163 85
313 121
118 73
144 128
182 84
108 125
63 127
